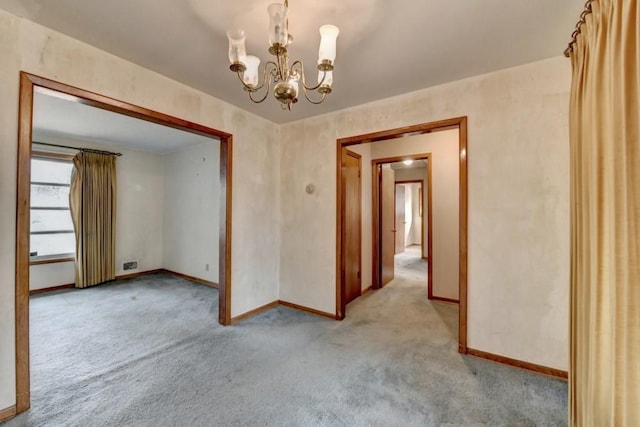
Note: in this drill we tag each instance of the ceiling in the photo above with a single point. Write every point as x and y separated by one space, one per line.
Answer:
413 165
62 118
385 47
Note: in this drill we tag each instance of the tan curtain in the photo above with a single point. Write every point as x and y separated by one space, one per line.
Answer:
92 200
605 218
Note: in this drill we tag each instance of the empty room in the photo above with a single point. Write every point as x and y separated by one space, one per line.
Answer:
319 213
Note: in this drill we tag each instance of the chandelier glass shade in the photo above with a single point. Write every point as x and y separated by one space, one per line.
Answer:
286 78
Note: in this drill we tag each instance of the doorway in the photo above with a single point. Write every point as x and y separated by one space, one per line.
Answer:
29 86
389 214
414 220
459 124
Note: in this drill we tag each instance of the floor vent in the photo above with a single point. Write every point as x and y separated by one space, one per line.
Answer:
130 265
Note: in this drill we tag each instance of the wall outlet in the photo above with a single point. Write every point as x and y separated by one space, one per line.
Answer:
130 265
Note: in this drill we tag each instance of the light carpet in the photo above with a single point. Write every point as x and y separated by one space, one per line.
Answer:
148 352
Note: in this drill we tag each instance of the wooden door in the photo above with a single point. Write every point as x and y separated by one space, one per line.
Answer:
400 219
387 225
351 243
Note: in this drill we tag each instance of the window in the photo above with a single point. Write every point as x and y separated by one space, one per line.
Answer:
52 236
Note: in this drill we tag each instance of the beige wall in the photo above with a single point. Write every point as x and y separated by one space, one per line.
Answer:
518 202
256 162
192 211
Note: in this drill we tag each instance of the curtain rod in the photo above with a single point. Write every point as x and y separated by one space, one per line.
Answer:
574 36
88 150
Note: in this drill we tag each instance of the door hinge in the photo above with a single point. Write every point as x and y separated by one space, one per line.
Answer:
358 274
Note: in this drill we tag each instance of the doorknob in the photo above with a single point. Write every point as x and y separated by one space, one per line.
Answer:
395 231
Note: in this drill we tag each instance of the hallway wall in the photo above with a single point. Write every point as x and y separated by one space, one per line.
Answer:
518 270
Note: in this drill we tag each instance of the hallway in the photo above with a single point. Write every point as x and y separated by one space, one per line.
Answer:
410 265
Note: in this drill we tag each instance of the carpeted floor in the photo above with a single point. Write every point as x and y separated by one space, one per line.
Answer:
148 352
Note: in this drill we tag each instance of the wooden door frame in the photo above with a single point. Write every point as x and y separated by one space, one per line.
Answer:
30 83
375 219
461 124
342 216
395 225
424 225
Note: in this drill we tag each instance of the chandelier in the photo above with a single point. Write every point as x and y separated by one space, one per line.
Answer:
286 78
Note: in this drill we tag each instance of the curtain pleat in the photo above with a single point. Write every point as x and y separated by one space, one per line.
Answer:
92 200
605 211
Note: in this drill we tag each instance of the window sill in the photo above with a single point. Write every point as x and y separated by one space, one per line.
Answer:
51 260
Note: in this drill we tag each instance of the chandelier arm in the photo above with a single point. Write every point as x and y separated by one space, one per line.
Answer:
266 93
298 67
324 95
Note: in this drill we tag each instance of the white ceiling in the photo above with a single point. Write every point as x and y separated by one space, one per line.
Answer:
59 117
415 164
385 47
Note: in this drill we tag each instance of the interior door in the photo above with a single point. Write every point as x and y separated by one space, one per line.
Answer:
400 219
387 224
351 244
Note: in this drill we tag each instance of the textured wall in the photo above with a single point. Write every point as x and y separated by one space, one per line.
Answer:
192 211
518 263
35 49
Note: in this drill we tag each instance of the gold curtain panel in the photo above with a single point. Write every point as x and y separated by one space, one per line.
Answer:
605 213
92 200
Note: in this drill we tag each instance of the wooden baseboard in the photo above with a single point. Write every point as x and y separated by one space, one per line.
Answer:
131 276
52 288
545 370
254 312
453 301
7 413
138 274
307 309
191 278
366 291
283 303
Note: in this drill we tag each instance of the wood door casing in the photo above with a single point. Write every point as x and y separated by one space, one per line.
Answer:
400 219
352 233
387 225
